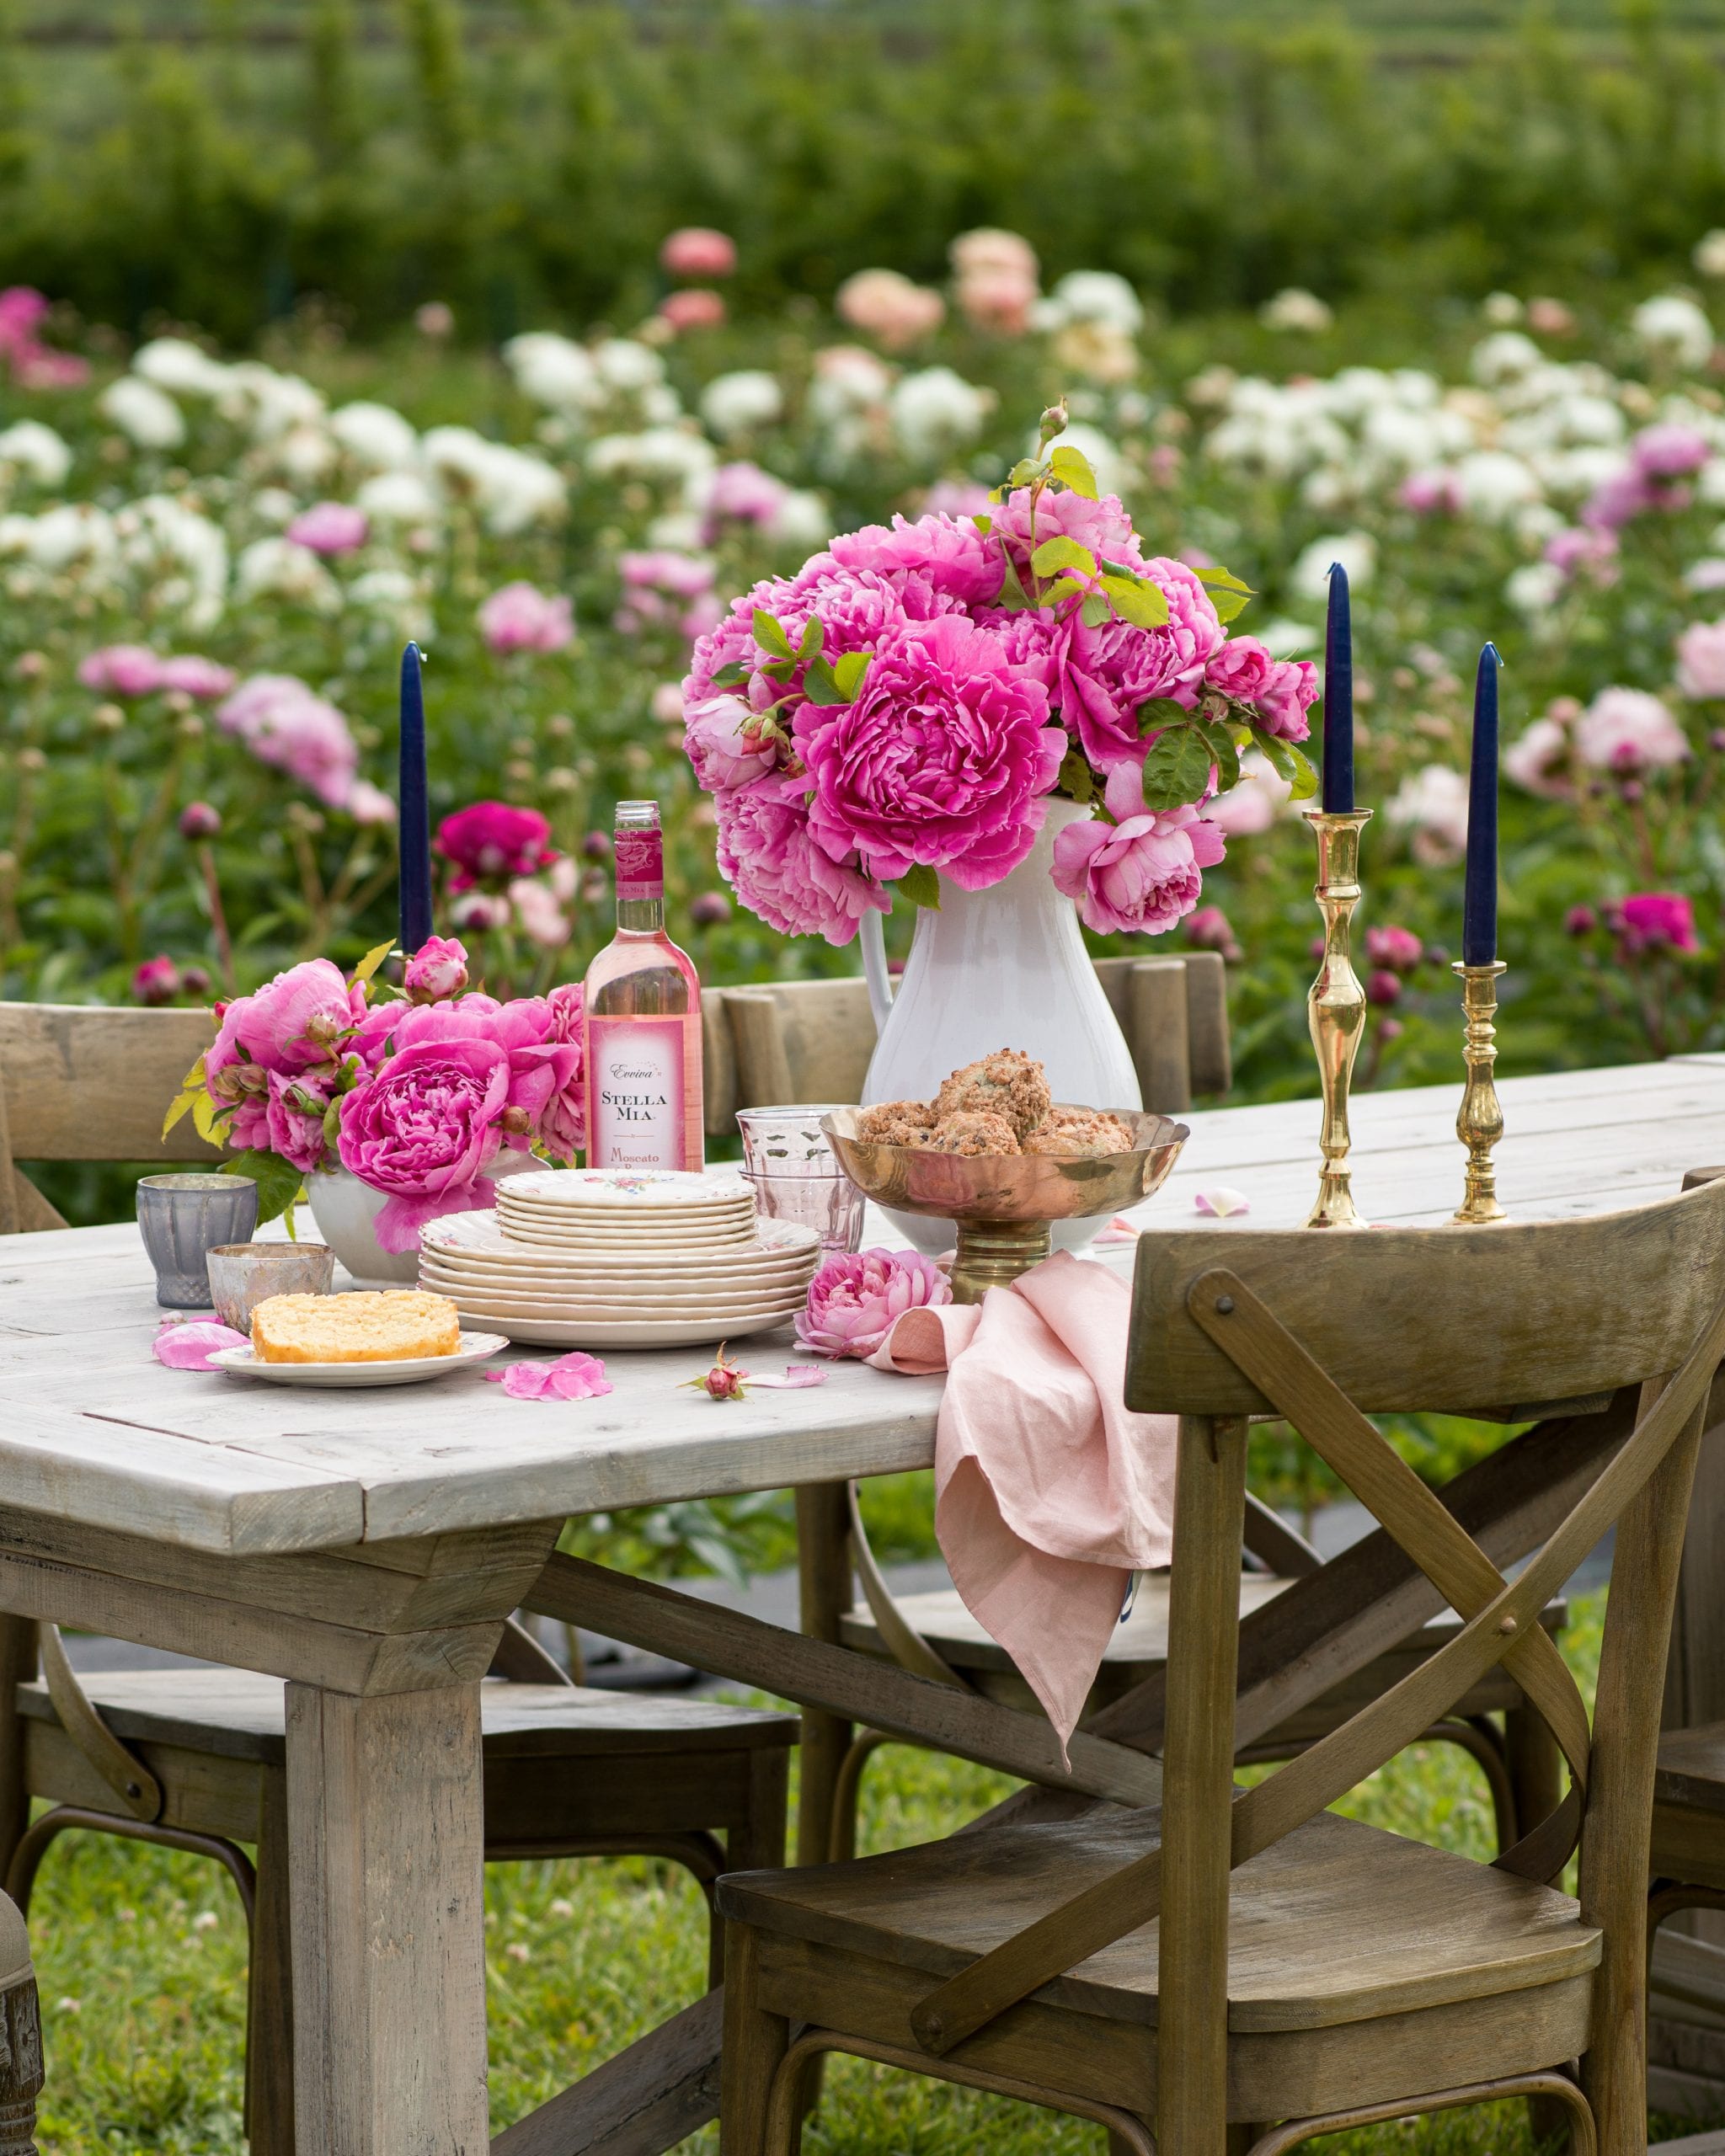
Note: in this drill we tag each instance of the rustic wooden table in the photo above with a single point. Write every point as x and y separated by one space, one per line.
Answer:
365 1547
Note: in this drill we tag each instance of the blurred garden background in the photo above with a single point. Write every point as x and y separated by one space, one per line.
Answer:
537 331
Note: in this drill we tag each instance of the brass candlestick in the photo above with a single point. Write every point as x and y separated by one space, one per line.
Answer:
1336 1006
1479 1121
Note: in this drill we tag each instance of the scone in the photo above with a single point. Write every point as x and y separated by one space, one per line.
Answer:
971 1132
1007 1083
1081 1133
359 1328
896 1123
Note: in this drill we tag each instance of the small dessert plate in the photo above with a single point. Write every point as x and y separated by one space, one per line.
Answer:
475 1347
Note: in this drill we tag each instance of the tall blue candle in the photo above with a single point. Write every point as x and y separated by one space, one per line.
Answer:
1339 697
415 827
1479 912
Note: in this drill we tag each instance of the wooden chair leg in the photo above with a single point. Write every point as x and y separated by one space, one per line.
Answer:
847 1794
269 2091
756 2042
21 2074
824 1569
27 1857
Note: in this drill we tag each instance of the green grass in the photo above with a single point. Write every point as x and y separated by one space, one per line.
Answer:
142 1958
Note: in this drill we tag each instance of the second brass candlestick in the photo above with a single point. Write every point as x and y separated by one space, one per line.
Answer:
1479 1122
1336 1006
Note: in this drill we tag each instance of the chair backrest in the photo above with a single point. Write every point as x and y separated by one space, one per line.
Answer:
811 1040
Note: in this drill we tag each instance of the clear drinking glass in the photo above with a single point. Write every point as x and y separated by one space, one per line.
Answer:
796 1173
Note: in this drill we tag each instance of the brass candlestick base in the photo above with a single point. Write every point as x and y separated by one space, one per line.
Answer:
1336 1006
1479 1122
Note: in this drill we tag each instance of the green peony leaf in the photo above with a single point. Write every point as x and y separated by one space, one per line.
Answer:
813 635
280 1183
847 673
1136 600
1013 595
770 636
922 886
1224 754
1071 468
1158 711
821 685
1219 578
1076 780
373 959
1228 604
1177 770
1058 553
1288 763
1305 775
1024 472
1095 611
985 524
732 676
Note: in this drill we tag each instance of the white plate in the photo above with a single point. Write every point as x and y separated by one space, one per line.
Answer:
533 1302
475 1347
632 1190
479 1235
606 1332
518 1231
741 1200
737 1284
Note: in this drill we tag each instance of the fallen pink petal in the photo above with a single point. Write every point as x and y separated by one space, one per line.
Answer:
184 1346
796 1376
1221 1202
1120 1230
571 1377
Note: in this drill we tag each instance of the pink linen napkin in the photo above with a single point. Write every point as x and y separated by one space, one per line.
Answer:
1048 1493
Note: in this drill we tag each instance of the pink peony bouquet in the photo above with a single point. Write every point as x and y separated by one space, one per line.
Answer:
416 1093
855 1299
906 707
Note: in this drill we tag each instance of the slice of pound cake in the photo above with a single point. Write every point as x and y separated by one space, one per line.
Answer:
358 1328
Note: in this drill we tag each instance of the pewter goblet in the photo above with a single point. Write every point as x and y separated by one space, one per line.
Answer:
183 1218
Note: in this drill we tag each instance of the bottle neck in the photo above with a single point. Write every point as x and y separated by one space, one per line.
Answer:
641 916
640 879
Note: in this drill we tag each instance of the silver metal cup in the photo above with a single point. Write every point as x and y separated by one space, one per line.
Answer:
243 1275
183 1218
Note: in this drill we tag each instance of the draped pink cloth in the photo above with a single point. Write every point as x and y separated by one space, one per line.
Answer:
1048 1492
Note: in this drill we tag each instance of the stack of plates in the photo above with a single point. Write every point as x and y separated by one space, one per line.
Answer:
614 1258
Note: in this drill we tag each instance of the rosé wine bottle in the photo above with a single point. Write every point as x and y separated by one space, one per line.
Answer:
641 1025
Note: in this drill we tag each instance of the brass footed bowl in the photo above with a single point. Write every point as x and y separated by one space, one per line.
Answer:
1003 1203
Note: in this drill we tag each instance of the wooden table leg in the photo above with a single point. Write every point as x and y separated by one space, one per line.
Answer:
823 1580
384 1798
18 1666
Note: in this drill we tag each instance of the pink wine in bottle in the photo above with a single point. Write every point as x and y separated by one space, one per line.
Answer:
642 1019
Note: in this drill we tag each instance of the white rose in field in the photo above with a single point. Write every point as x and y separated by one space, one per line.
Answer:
146 415
737 403
1494 484
1674 329
802 521
1504 357
512 488
398 498
1296 311
375 436
554 371
1098 296
269 403
935 411
1356 551
1433 804
180 367
278 568
1503 310
74 532
36 451
1709 256
1536 588
302 455
653 453
625 363
393 596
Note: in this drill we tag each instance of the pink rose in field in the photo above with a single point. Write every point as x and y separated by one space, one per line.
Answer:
997 275
330 528
156 981
1539 760
122 669
284 724
713 741
941 760
23 309
196 676
421 1129
493 840
368 805
1579 547
1141 874
1656 920
1627 494
741 492
768 856
294 1119
1626 730
1432 493
39 367
1701 659
1398 949
697 307
856 1298
699 251
1107 672
1670 450
290 1025
947 553
480 911
890 308
437 970
520 618
663 587
562 1121
542 919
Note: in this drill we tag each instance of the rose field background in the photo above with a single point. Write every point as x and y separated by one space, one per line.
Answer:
538 331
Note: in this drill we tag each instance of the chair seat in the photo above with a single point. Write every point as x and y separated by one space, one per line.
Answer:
1336 1923
240 1715
1691 1771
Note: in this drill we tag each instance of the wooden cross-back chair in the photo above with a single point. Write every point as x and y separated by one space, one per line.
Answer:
1245 1968
768 1041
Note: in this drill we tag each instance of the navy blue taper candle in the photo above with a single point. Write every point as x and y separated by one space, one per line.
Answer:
415 827
1339 697
1479 910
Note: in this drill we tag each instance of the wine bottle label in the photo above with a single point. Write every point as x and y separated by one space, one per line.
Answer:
640 865
636 1086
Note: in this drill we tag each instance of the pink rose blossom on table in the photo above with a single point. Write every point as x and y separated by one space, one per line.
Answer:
941 760
718 748
1241 668
890 308
1398 949
294 1119
296 1021
1141 874
1701 659
156 981
493 840
331 528
421 1129
697 251
286 724
563 1120
571 1377
697 308
1628 731
437 970
767 855
520 618
856 1298
1103 527
1656 920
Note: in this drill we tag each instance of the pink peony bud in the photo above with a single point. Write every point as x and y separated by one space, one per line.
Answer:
198 820
156 981
1383 987
437 970
1398 949
708 909
696 251
1580 920
697 309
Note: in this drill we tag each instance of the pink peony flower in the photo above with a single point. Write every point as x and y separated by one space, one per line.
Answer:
1539 760
437 970
767 855
292 1024
697 308
121 670
890 308
1627 493
1103 527
1627 730
1398 949
941 760
855 1299
330 528
1670 450
663 587
1579 546
947 554
520 618
1656 920
493 840
571 1377
1240 668
1107 672
713 738
423 1127
696 251
563 1120
156 981
1701 659
369 804
284 724
1432 493
741 492
1210 929
542 919
1140 874
1281 689
294 1119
